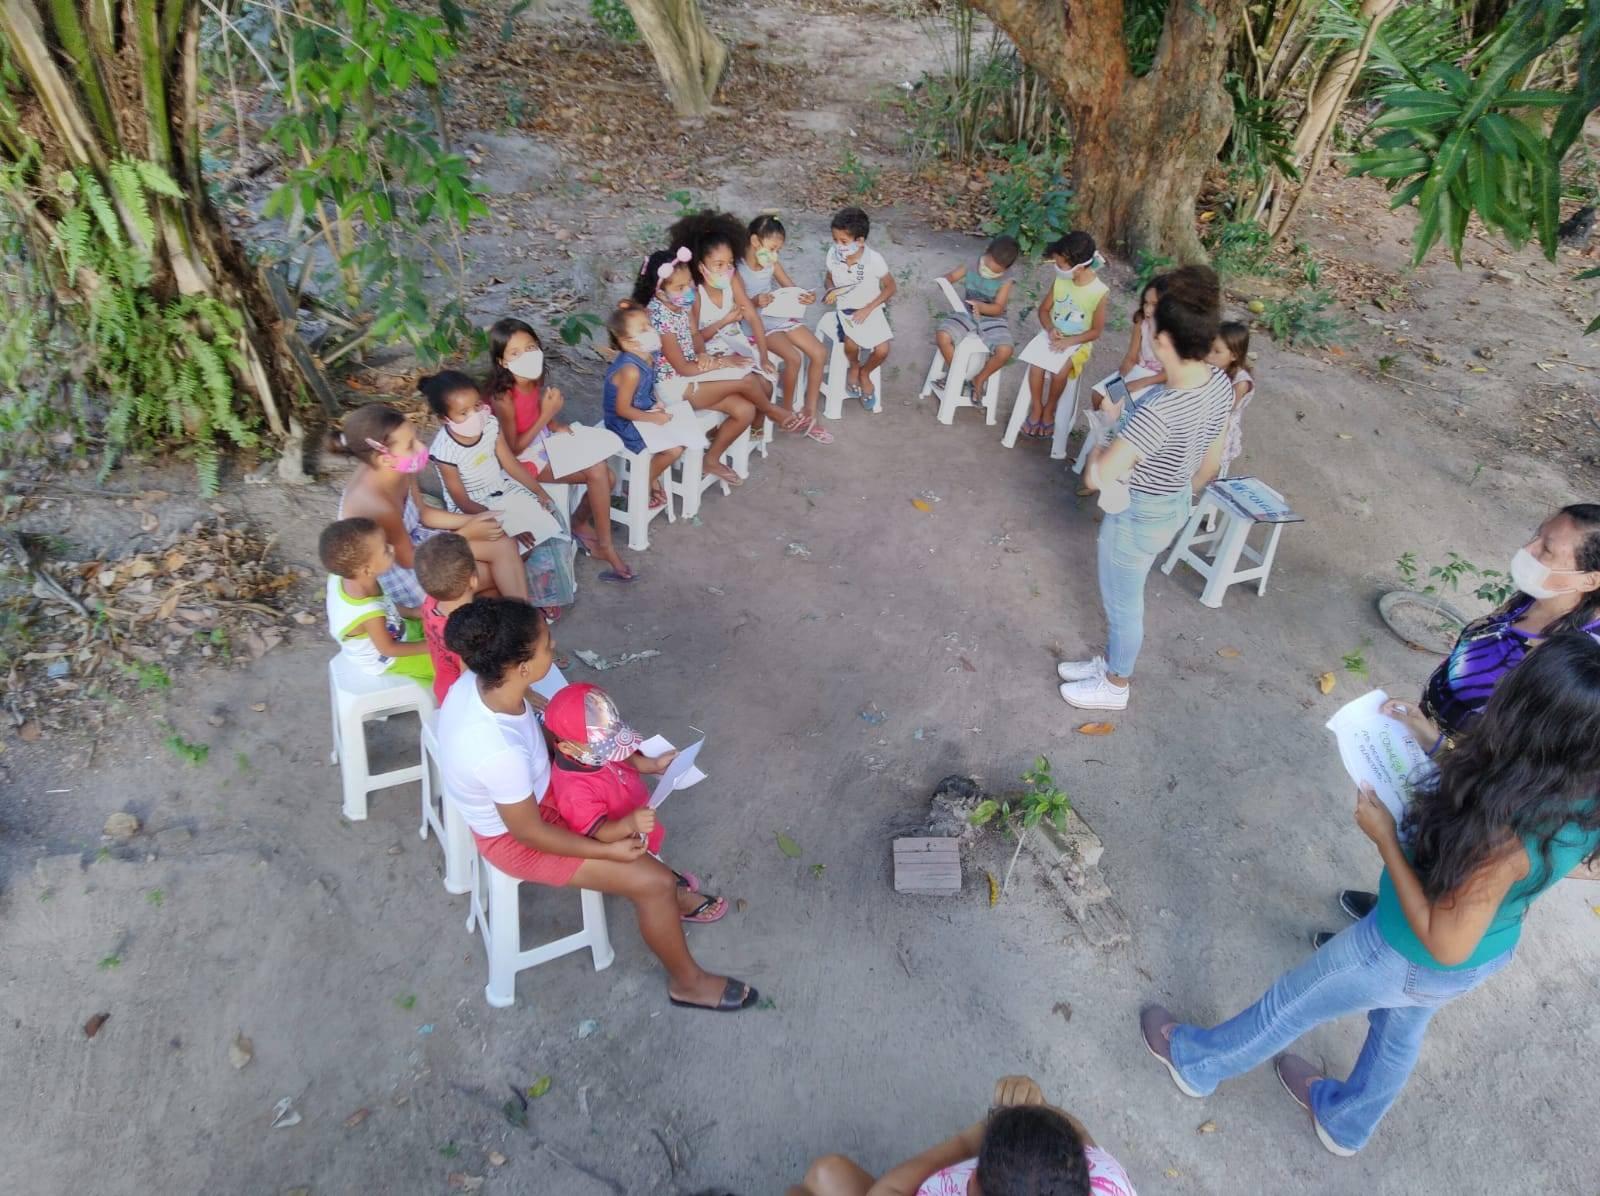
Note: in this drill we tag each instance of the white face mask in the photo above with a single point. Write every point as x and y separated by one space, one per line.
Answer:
470 427
649 340
528 366
848 250
1532 576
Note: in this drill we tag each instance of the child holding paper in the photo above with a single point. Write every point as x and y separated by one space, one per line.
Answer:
986 290
665 289
629 397
788 338
527 411
596 786
1072 314
480 474
859 284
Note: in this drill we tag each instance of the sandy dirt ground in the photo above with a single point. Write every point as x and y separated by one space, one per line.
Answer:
248 906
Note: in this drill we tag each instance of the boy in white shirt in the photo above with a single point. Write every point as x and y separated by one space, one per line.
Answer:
859 284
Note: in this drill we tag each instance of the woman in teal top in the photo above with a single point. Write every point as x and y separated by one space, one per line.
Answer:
1507 814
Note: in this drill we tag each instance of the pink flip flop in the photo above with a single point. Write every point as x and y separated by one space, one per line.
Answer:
710 909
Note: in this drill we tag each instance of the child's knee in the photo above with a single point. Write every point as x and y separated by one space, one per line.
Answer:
818 355
944 339
741 411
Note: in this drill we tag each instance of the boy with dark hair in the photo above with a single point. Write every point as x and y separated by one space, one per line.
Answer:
361 617
859 284
987 292
449 576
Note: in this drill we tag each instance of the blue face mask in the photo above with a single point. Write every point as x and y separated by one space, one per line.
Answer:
685 299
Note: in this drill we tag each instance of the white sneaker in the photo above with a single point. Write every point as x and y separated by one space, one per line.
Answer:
1081 670
1095 693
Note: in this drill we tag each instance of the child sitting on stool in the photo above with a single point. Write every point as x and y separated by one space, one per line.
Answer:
987 291
596 787
361 617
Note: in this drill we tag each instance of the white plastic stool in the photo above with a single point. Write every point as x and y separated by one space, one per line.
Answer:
968 358
838 366
498 912
631 467
440 814
354 697
692 480
1230 544
1067 402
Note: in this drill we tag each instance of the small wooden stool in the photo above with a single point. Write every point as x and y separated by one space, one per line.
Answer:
927 866
1241 503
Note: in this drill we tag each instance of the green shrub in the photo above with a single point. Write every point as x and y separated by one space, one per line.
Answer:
615 21
1240 248
1302 319
1031 198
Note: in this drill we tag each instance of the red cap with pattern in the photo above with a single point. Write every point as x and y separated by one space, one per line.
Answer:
586 716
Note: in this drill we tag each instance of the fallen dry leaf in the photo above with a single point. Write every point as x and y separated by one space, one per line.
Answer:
258 707
357 1118
740 905
240 1051
462 1182
1206 1127
496 1159
1097 728
29 732
1326 682
92 1026
1229 653
920 505
994 888
1172 1173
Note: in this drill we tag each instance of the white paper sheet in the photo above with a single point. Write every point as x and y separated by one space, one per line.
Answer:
1039 353
957 304
857 294
521 512
1376 750
786 304
680 774
551 683
868 333
579 448
684 430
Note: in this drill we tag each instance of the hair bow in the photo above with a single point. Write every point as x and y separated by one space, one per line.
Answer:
665 269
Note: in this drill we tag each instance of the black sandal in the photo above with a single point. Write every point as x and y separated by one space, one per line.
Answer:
730 1002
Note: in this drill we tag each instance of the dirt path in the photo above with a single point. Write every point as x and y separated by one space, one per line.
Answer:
247 906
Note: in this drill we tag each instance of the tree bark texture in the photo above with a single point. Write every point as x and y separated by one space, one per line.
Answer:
1326 98
1140 146
687 53
111 82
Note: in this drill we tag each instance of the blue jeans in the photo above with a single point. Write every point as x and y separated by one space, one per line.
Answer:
1128 546
1356 972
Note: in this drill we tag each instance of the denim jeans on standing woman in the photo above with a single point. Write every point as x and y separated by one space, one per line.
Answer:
1357 972
1128 545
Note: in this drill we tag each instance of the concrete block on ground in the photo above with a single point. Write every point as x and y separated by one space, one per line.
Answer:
927 866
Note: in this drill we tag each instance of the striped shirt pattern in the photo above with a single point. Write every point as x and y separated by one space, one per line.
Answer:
1172 431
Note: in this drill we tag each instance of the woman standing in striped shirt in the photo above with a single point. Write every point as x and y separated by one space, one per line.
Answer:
1168 446
1557 575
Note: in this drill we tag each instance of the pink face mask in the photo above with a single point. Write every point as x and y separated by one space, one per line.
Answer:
413 464
468 428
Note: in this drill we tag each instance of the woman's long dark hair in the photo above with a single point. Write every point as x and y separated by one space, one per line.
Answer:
499 380
1587 558
1529 766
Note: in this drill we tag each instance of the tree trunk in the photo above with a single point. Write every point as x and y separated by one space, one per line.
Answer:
687 53
1326 96
1141 147
67 119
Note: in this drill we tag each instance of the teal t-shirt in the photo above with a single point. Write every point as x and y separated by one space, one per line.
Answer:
1568 849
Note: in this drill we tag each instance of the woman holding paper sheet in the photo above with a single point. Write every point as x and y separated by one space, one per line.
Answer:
496 771
1557 575
1168 447
1507 814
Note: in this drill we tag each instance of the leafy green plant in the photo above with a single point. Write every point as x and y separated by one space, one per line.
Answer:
1301 319
579 327
1356 662
685 203
858 176
1259 140
147 676
1146 266
1239 247
1042 799
508 27
1031 197
615 21
192 753
1494 585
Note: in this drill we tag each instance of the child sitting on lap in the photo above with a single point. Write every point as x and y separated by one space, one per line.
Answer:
596 786
853 272
630 389
449 576
987 291
361 618
1073 314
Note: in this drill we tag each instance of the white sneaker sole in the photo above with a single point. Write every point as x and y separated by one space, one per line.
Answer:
1171 1070
1091 704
